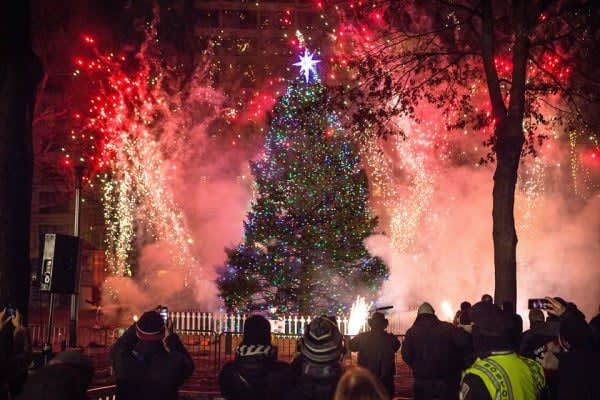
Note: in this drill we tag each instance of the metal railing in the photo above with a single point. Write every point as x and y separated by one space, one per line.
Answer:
211 339
102 393
109 393
210 351
87 337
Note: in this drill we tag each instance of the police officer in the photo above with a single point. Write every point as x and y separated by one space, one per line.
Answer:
376 349
498 373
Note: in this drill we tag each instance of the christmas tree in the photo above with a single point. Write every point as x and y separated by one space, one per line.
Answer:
303 248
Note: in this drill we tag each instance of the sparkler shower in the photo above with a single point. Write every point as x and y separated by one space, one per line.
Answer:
171 209
144 138
359 313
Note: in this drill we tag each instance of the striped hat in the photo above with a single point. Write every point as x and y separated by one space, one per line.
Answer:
322 341
150 327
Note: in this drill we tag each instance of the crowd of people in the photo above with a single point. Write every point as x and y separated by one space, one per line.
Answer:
149 362
483 354
317 372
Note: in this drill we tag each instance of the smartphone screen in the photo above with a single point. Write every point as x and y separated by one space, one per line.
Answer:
164 313
537 304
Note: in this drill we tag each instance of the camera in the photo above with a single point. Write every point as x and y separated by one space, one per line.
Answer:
164 313
11 310
537 304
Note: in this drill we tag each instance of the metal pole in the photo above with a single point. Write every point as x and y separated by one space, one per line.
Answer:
47 349
74 297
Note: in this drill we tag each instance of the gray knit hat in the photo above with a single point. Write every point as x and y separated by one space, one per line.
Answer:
425 308
322 341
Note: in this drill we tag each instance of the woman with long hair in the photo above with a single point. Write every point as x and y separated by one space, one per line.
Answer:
359 384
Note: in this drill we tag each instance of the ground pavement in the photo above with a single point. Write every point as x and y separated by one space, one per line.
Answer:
209 351
208 362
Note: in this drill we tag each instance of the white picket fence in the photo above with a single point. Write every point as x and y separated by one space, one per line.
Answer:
197 321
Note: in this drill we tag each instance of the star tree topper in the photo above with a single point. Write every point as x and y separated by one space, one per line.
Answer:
307 64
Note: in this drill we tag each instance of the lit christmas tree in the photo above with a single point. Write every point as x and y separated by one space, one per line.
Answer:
303 249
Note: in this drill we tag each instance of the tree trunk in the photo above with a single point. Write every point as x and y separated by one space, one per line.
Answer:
20 72
508 151
509 143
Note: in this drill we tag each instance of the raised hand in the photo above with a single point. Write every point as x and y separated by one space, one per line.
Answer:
554 307
3 318
16 319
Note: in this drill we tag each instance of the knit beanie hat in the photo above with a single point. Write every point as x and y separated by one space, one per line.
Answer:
322 341
425 308
494 330
483 310
496 325
257 331
150 327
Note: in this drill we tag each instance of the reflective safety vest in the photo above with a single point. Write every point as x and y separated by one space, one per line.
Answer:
509 376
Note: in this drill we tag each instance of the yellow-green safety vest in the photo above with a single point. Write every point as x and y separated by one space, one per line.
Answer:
509 376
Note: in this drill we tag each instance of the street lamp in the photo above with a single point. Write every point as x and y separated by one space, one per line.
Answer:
75 296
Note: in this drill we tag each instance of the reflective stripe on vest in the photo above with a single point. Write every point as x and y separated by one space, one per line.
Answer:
509 377
537 372
505 386
491 379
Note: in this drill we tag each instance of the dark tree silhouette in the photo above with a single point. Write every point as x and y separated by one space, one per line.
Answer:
537 60
20 72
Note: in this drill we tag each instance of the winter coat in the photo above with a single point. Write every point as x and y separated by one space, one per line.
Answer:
313 381
376 350
578 373
58 382
595 327
435 351
254 374
15 357
518 330
146 370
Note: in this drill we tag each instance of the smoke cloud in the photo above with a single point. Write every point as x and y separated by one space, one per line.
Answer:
435 237
450 258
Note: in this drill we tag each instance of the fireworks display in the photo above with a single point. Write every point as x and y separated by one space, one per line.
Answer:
135 131
359 314
135 136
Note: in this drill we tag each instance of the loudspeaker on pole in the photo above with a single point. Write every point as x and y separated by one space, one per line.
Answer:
60 264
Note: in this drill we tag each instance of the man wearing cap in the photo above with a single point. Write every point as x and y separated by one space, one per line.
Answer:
376 349
435 350
317 370
149 360
499 373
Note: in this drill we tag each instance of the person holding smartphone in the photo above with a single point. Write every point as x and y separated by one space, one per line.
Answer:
149 360
575 358
15 352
